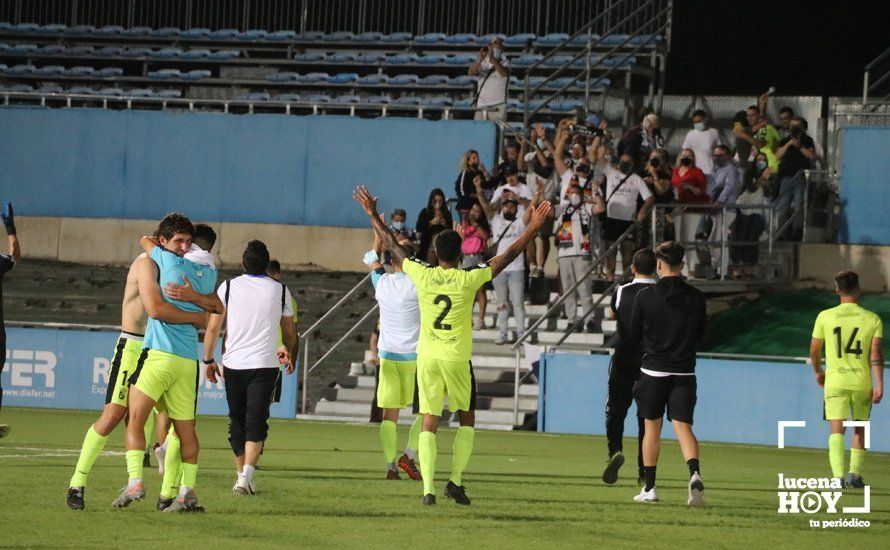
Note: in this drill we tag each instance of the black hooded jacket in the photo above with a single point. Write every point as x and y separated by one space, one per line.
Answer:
669 318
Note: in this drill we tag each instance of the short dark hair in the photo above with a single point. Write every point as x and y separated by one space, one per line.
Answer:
670 252
274 268
644 262
847 282
723 148
754 108
174 223
448 246
700 112
786 109
741 118
204 236
255 258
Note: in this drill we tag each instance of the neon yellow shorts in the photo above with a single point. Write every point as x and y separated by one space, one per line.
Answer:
126 357
839 403
171 381
437 378
396 387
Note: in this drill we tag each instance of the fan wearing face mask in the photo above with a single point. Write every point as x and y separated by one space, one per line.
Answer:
702 141
691 185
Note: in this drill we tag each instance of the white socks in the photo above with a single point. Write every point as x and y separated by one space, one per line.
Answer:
248 471
412 454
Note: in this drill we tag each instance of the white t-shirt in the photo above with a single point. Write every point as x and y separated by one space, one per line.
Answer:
253 316
621 204
565 180
522 191
499 225
492 90
580 241
702 143
399 314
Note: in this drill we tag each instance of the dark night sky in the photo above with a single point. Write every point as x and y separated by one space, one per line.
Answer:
802 47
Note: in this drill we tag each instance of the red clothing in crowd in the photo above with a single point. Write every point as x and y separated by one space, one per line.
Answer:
694 177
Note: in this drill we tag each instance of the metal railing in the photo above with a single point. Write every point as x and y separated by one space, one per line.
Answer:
306 337
870 85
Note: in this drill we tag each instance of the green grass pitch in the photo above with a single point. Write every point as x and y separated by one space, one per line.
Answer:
321 486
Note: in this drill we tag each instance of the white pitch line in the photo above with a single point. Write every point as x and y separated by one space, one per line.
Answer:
58 452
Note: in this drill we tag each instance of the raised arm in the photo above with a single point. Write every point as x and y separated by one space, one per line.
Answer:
211 337
369 205
521 165
153 302
185 293
877 369
474 68
557 152
483 200
8 218
538 217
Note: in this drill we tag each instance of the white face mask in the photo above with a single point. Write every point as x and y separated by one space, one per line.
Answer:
575 199
607 158
700 126
496 53
398 226
541 144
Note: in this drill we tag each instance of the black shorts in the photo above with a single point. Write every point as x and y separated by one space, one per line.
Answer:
612 228
676 393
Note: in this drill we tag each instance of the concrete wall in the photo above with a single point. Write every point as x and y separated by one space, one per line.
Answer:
820 262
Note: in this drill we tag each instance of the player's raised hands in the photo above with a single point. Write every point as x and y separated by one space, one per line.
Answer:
540 214
365 199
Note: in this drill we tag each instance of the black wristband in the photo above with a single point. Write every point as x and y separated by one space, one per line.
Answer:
10 229
209 361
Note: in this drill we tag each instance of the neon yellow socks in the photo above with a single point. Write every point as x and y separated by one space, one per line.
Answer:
189 477
463 448
134 464
172 467
836 454
857 457
413 437
389 440
426 449
93 444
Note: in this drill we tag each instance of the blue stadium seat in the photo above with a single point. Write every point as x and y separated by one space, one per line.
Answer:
309 57
166 32
109 72
80 71
197 74
581 62
18 88
50 70
319 98
602 84
581 39
196 33
433 80
430 59
50 89
552 39
527 60
369 37
617 62
614 39
2 67
81 51
374 79
565 106
520 39
343 78
164 74
430 38
349 99
80 30
22 48
195 54
487 38
166 53
464 102
370 58
285 76
252 34
558 83
557 60
289 97
141 92
436 101
3 46
51 49
138 31
25 27
223 34
110 51
376 99
403 80
408 100
81 90
401 58
169 94
279 36
339 36
460 59
343 57
533 81
397 37
5 26
254 96
311 78
20 69
310 36
222 55
462 39
645 39
137 52
535 104
463 80
116 92
109 30
54 28
512 103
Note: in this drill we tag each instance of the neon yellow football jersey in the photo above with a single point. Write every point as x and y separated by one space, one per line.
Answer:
848 330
